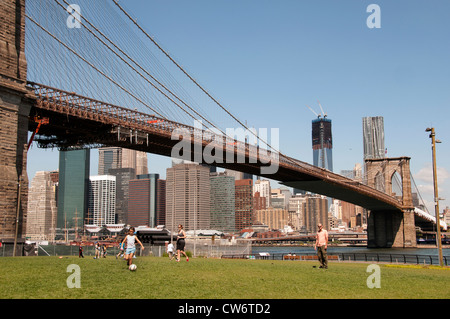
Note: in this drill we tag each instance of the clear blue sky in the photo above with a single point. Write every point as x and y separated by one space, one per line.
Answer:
266 60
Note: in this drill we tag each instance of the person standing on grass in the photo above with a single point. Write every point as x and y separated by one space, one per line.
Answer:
321 246
181 243
97 250
121 250
80 252
131 239
170 250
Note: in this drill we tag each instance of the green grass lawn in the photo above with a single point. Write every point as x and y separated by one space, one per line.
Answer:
159 278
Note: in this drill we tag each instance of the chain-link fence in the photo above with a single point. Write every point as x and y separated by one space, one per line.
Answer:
199 248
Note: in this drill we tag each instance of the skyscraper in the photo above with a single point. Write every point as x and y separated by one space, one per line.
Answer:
123 177
73 189
244 214
41 218
109 157
315 211
117 157
373 137
188 197
222 202
135 159
161 202
322 143
143 200
102 200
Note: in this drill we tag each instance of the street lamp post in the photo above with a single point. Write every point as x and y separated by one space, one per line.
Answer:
19 191
173 208
436 196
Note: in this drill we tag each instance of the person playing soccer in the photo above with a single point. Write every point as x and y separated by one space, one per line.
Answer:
131 239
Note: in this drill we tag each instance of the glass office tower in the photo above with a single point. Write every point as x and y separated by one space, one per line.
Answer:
73 189
222 202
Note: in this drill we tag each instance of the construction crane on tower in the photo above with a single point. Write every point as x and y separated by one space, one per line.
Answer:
320 114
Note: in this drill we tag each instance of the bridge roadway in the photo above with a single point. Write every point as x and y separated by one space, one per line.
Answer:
77 121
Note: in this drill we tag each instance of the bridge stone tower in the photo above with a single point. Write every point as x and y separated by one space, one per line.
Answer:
15 105
391 228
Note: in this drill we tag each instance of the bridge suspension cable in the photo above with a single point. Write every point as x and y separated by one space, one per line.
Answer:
189 76
93 66
97 34
139 66
128 64
418 193
85 49
76 17
50 63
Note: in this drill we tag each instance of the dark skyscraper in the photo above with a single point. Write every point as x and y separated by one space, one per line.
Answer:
161 202
73 188
123 177
222 202
322 143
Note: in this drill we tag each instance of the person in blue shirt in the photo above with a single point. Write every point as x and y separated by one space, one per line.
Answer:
131 239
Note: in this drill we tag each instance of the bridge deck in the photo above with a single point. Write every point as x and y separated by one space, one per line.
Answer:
77 121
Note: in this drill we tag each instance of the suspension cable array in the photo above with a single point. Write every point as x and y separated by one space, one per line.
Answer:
134 65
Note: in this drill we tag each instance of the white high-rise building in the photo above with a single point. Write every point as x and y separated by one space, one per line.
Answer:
102 200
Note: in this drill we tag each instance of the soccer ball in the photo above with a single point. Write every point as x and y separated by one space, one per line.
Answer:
132 267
